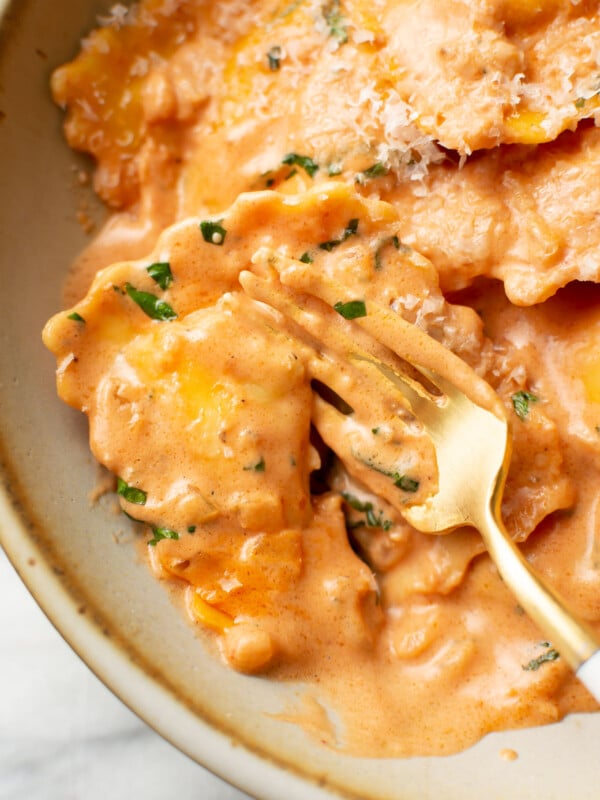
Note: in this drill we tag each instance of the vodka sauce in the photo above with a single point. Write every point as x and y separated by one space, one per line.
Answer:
230 136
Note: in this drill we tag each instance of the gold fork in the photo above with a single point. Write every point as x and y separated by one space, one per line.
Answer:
383 367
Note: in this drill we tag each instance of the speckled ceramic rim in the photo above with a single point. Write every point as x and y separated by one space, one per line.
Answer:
555 761
147 698
153 702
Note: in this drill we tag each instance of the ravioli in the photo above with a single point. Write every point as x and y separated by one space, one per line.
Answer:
435 160
535 226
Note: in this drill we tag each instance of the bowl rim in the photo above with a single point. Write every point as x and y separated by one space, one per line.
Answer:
56 592
256 772
238 760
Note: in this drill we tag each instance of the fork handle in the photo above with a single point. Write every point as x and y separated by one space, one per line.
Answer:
572 638
589 674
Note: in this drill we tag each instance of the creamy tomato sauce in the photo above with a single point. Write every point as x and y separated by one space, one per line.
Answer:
433 159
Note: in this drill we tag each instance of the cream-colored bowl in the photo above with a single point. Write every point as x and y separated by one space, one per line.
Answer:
96 590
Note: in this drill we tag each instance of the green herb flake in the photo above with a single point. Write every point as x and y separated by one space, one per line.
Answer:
306 258
372 520
161 273
593 91
353 309
405 483
521 401
392 240
162 533
355 503
130 493
336 23
305 162
377 170
259 466
290 9
351 229
274 56
191 529
213 232
75 316
151 305
330 245
550 655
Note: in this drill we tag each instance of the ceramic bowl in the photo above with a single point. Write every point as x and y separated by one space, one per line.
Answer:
92 583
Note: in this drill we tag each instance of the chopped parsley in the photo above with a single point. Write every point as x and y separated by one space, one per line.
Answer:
162 533
353 309
392 240
213 232
306 258
305 162
350 230
151 305
372 520
259 466
290 9
191 529
593 91
76 317
130 493
274 56
377 170
161 273
404 482
336 23
521 401
550 655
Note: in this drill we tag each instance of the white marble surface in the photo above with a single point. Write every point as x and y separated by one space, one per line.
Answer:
64 735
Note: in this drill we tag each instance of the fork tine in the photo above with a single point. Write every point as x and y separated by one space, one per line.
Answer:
469 490
378 439
313 311
354 445
401 337
343 343
332 362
